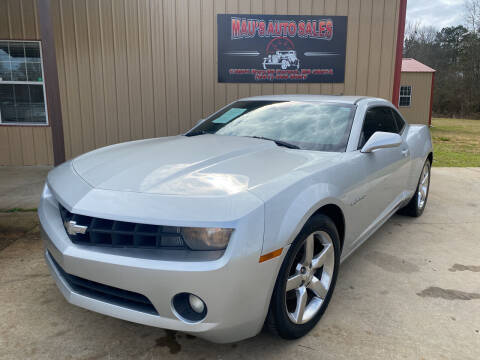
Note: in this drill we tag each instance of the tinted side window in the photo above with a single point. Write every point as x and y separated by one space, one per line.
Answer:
399 121
377 119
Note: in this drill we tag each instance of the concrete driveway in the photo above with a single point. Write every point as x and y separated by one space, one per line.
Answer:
411 292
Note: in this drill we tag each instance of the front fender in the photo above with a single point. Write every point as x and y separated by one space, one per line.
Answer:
287 213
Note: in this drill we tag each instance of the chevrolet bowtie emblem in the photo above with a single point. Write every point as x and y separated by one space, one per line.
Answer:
74 229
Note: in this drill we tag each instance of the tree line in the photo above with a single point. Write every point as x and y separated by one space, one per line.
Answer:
454 52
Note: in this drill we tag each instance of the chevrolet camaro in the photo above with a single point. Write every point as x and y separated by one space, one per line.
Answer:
240 223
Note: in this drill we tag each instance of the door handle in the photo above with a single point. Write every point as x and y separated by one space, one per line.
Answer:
405 152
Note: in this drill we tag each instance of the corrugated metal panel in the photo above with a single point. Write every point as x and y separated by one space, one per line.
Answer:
29 145
419 110
388 52
131 69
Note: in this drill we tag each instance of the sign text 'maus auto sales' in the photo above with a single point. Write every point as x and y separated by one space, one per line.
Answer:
315 29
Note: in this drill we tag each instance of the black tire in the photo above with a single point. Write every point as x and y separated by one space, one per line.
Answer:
278 320
413 208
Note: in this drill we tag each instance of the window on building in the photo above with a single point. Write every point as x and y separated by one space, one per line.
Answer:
22 92
405 95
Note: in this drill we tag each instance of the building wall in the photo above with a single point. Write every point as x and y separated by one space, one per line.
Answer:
419 110
22 145
146 68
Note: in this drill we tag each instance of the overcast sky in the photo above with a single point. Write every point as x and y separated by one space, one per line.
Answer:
437 13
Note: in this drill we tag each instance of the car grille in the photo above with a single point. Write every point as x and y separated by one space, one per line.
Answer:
110 233
105 293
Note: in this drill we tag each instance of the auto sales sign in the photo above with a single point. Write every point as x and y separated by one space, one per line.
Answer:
281 48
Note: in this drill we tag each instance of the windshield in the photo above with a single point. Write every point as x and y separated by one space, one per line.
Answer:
307 125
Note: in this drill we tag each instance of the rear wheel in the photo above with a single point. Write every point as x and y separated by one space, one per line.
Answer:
306 279
417 204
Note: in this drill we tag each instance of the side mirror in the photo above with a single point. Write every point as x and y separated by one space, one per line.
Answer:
382 140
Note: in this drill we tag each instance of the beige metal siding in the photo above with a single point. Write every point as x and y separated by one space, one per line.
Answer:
131 69
22 145
419 110
143 68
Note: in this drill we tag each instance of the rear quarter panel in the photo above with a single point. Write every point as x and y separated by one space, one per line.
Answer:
420 144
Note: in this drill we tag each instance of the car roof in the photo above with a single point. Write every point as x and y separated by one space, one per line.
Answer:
308 97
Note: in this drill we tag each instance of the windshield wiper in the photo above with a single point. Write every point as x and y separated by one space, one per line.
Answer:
198 132
278 142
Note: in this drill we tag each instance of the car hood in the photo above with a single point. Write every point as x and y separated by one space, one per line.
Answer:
205 165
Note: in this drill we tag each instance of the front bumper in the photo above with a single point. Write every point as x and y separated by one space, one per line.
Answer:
235 287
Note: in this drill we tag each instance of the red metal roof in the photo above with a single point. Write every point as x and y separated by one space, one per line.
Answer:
412 65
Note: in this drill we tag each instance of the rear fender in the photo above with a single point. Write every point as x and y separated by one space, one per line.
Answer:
420 144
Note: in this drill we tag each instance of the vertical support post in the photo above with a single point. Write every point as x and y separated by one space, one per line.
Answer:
51 80
398 59
431 100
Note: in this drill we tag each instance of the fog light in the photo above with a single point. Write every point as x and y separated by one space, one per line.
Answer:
189 308
196 303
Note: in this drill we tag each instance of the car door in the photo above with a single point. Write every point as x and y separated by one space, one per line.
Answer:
385 170
407 167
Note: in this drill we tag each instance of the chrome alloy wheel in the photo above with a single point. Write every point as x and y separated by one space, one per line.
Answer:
423 186
310 277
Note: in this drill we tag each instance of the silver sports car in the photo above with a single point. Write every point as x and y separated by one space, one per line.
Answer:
239 223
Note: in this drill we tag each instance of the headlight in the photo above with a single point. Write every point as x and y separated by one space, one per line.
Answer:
206 238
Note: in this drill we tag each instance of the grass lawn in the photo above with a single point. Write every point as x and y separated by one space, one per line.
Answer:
456 142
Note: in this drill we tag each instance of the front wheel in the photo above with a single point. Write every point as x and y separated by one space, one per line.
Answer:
306 279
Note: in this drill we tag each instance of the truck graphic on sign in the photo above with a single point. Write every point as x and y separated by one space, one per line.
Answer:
285 59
